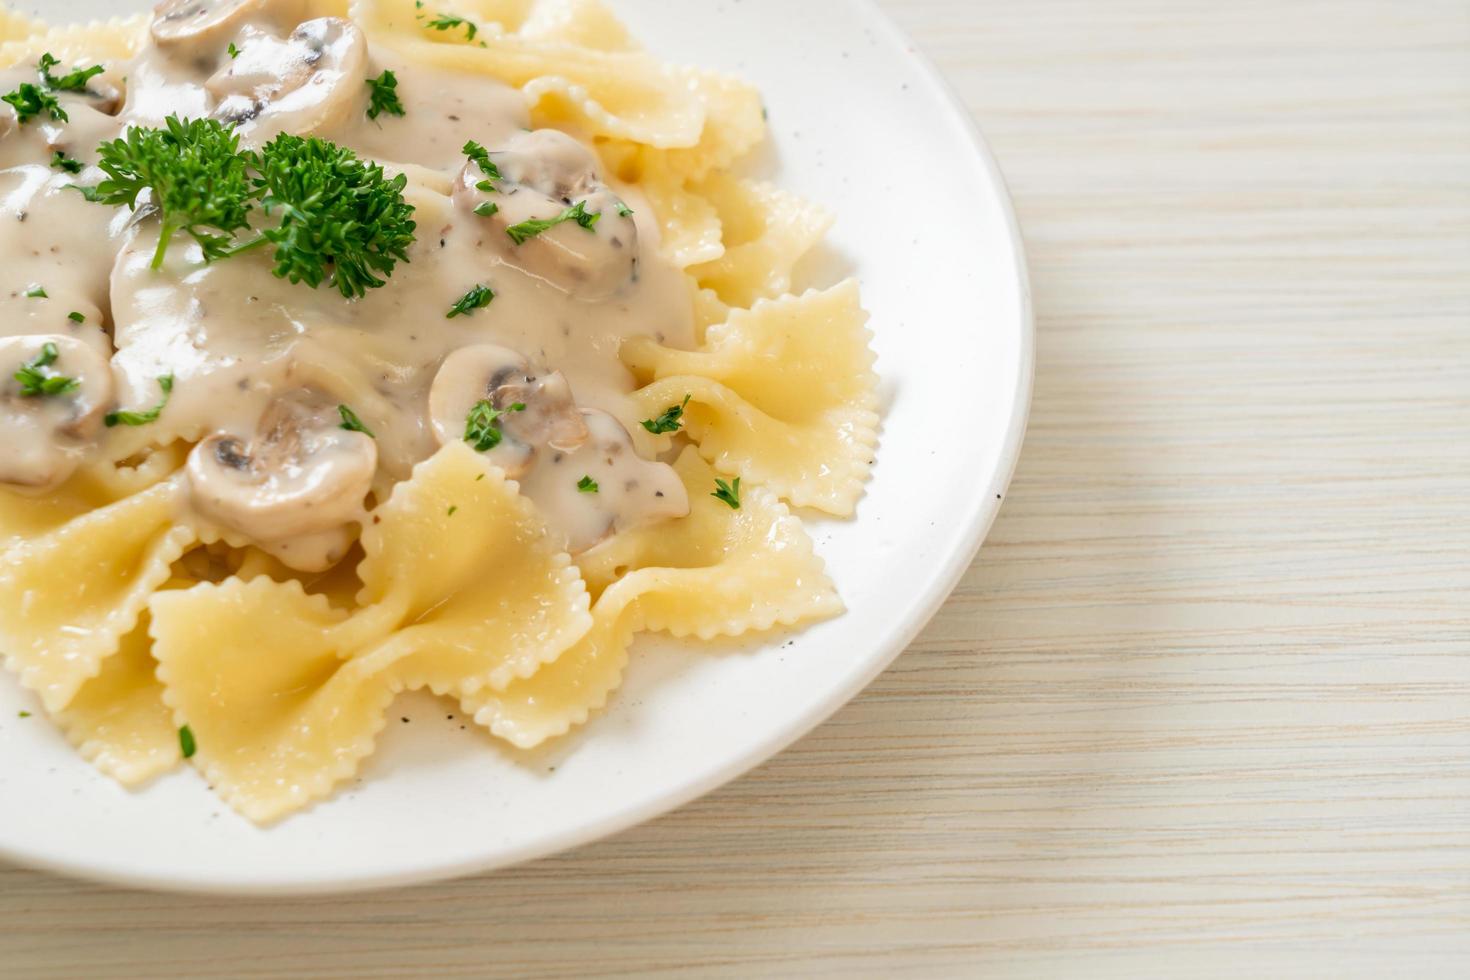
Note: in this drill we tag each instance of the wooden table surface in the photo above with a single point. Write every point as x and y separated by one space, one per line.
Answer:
1203 704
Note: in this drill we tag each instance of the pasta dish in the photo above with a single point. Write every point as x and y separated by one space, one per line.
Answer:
357 348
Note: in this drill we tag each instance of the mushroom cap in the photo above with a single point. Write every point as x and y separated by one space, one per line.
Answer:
213 22
543 172
301 474
308 81
46 436
487 372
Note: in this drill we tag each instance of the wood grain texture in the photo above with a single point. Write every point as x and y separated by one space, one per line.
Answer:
1203 704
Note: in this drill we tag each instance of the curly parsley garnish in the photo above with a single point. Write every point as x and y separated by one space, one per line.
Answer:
37 382
527 230
196 177
383 95
670 420
477 298
482 425
352 423
728 493
447 22
342 220
60 161
478 154
111 419
587 485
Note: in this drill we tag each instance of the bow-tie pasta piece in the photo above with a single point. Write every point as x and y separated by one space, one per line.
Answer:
766 232
783 395
461 566
717 572
67 596
116 39
118 720
256 671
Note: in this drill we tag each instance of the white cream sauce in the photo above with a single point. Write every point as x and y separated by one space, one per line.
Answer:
260 365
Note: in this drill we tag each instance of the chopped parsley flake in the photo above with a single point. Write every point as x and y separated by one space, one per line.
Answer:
30 100
477 298
486 208
383 96
624 211
234 51
74 81
112 419
187 745
36 381
446 22
478 154
37 292
669 421
60 161
452 509
76 317
24 714
482 425
527 230
728 493
352 423
587 485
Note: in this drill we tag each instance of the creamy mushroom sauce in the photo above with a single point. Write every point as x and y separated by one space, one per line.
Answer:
260 365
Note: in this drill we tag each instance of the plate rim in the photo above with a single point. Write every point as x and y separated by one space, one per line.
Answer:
974 527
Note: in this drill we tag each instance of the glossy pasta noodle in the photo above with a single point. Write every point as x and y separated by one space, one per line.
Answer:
474 358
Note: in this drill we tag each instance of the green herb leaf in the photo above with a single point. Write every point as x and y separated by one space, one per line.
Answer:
352 423
486 208
527 230
60 161
30 100
477 298
74 81
383 96
23 714
234 52
342 220
37 382
478 154
446 22
482 425
669 421
624 211
112 419
76 317
452 509
728 493
587 485
195 175
37 292
187 745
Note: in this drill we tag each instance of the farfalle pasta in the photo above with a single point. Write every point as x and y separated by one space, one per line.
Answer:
359 348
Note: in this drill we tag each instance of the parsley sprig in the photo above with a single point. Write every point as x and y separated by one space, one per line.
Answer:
74 81
527 230
478 154
342 219
333 217
670 421
196 177
112 419
383 95
38 382
30 99
482 425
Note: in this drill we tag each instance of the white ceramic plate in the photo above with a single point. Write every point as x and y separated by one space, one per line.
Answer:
862 124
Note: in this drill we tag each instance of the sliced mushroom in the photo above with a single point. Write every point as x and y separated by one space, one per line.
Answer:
211 23
47 435
301 474
630 491
309 81
542 174
505 379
